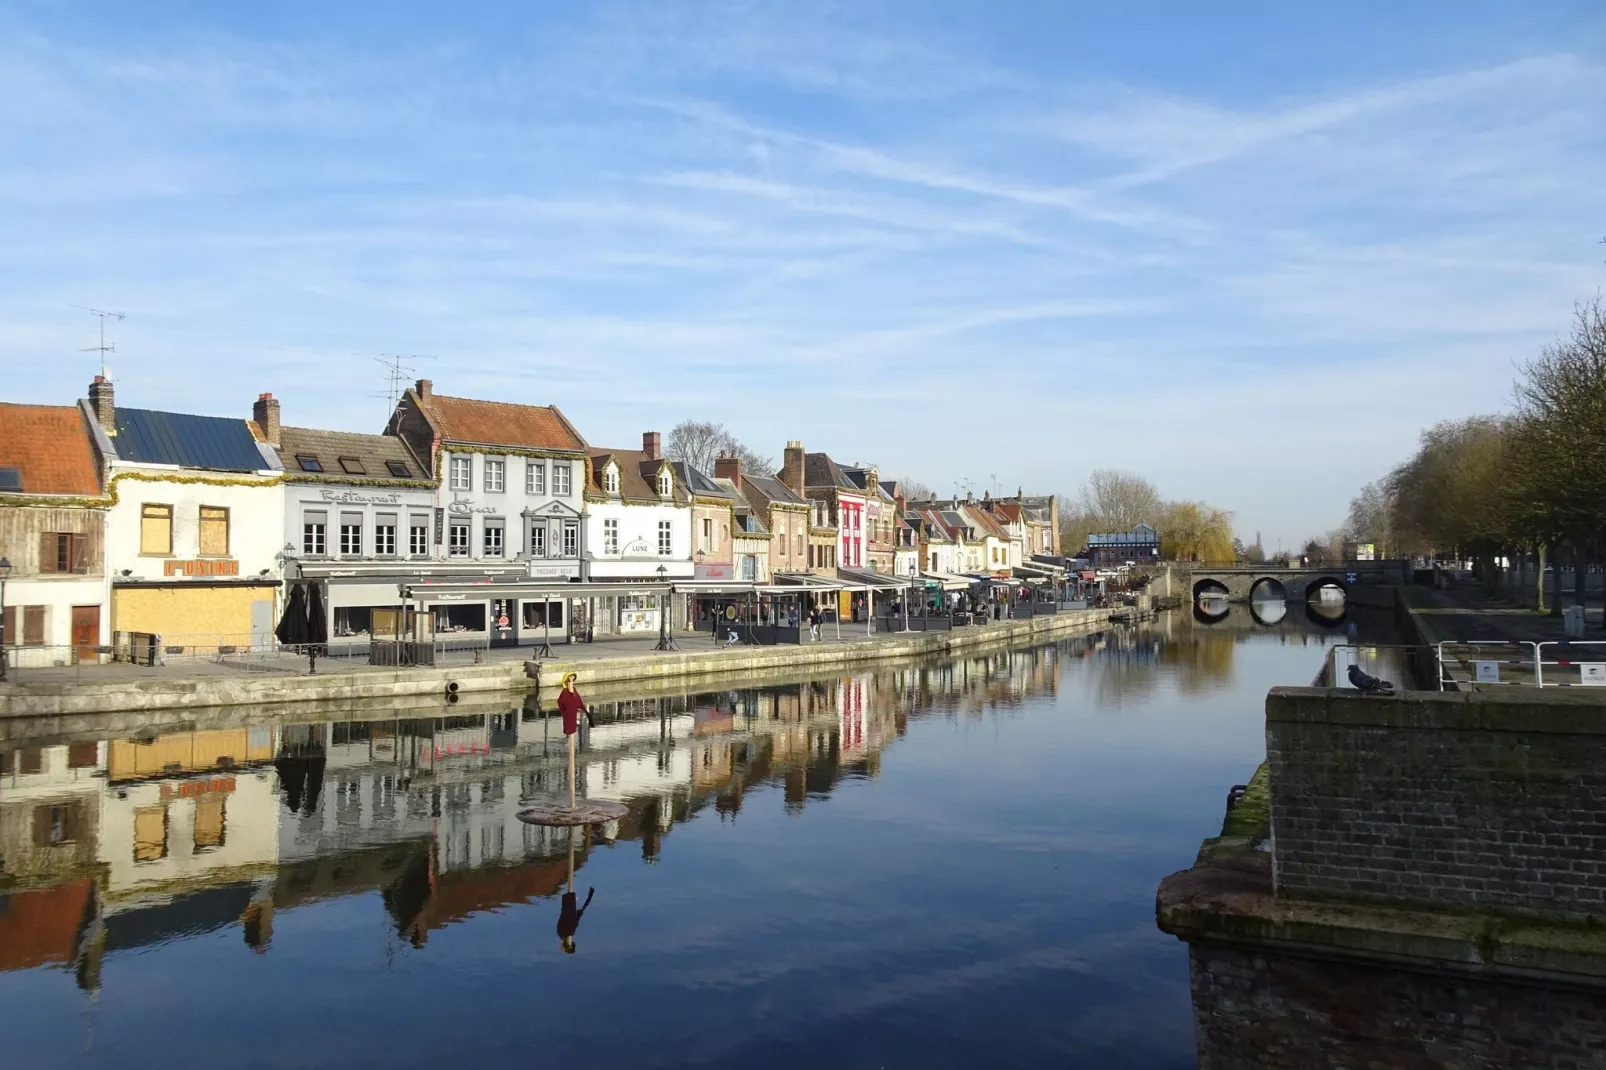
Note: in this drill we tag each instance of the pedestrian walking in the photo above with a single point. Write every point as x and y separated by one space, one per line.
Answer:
814 624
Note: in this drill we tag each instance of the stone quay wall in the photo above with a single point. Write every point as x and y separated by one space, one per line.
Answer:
1257 1009
1486 800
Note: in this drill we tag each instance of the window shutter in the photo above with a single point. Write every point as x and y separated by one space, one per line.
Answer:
78 554
33 625
9 623
47 552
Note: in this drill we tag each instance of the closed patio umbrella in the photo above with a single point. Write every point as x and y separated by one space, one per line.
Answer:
292 629
317 626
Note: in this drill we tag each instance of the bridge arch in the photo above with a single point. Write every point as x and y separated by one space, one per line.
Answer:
1210 588
1268 612
1268 589
1315 584
1213 612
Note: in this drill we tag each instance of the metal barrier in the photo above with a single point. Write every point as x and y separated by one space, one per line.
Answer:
1479 664
1591 673
1383 660
24 660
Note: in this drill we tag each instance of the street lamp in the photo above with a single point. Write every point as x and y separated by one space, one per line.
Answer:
5 570
665 640
914 571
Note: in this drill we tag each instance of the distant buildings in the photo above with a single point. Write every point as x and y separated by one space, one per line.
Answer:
1139 546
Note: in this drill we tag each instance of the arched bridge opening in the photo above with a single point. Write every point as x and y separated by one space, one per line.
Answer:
1326 589
1208 588
1268 589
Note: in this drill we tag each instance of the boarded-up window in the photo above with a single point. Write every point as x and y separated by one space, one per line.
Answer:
33 625
209 821
150 833
82 755
156 529
214 531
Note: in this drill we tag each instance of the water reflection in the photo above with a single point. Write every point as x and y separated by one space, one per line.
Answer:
410 822
1268 611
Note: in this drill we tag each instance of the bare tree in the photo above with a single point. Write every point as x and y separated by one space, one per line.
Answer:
916 491
1119 501
700 443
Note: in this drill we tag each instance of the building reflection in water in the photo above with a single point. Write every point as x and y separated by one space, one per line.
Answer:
113 845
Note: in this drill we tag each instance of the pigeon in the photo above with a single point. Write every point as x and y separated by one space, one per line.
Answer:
1370 685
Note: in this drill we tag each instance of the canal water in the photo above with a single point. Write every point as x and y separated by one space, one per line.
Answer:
920 865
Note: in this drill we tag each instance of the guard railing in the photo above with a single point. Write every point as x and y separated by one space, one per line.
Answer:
1489 663
1556 660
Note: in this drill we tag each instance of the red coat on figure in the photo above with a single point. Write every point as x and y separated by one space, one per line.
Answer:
569 705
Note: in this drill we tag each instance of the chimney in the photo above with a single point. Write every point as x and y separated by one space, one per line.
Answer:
266 415
100 399
792 469
729 468
423 388
872 481
651 445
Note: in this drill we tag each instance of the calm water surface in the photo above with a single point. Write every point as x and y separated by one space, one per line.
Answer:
918 866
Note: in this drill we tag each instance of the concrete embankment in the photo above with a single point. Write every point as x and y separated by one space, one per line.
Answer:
74 704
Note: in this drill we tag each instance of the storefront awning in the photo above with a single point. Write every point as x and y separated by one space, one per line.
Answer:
947 580
870 580
733 588
459 591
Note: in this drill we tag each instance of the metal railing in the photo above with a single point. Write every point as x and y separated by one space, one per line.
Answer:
1591 671
24 661
1489 663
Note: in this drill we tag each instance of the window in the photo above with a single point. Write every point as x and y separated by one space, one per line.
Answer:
209 821
708 534
538 539
33 625
493 538
312 534
535 477
156 529
351 534
571 539
214 531
399 470
783 544
664 544
418 536
811 555
461 476
457 541
560 479
610 536
63 551
665 484
150 833
352 466
610 480
385 535
495 476
309 462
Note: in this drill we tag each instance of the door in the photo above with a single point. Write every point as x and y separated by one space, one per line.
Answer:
261 624
504 622
85 631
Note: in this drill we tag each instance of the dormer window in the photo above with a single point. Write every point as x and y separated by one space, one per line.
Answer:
665 485
309 462
610 480
352 466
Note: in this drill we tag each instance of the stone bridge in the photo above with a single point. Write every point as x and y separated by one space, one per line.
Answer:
1243 583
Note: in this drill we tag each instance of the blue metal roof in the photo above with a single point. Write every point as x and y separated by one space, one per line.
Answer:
214 442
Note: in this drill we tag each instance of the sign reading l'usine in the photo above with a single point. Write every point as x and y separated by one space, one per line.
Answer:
204 566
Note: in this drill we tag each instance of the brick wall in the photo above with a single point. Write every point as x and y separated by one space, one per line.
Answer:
1258 1011
1440 798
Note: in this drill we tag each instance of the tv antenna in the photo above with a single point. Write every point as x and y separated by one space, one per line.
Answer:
396 376
103 348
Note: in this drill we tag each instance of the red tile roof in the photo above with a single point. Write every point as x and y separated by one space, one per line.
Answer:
500 423
49 444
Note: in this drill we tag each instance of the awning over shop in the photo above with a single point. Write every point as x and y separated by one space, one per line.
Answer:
459 590
733 588
947 580
869 580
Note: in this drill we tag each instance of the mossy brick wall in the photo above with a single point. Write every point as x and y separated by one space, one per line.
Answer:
1442 799
1256 1010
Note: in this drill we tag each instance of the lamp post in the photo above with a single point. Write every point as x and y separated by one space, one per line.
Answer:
914 571
665 640
5 570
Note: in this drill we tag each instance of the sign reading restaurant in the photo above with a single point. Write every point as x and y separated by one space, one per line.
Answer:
356 497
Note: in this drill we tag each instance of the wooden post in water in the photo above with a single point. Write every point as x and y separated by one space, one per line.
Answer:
571 765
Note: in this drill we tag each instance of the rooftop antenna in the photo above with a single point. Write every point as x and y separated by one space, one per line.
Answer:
103 348
396 376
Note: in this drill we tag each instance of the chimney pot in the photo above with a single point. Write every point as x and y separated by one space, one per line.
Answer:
265 414
423 388
792 468
729 468
651 445
102 401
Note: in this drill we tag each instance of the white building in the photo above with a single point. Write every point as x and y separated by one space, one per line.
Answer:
638 527
195 532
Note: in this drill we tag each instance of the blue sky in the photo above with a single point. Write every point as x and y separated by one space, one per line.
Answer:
1245 249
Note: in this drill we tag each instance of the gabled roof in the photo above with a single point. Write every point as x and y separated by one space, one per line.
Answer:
986 524
772 490
215 443
49 447
747 517
860 478
697 482
638 476
1009 512
336 450
822 472
499 423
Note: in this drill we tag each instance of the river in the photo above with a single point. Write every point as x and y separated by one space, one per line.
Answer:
932 865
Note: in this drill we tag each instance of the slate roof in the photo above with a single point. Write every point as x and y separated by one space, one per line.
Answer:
500 423
820 471
772 489
372 453
49 446
638 476
696 481
748 519
215 443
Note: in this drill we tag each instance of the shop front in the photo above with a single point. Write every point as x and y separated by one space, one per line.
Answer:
199 615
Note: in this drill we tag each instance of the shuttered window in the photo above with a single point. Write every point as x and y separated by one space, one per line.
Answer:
63 551
214 531
33 625
156 529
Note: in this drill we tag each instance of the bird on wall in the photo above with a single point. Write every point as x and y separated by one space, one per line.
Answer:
1369 685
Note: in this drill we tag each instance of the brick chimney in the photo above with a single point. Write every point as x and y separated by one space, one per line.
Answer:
423 388
729 468
100 399
792 469
652 445
265 413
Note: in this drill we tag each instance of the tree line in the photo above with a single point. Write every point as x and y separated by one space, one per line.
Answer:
1524 481
1113 500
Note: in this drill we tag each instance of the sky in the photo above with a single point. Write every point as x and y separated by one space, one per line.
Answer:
1247 250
